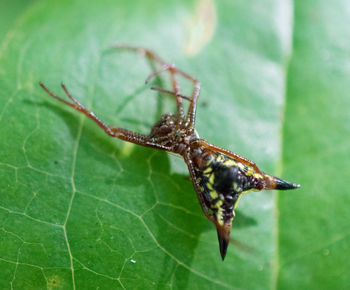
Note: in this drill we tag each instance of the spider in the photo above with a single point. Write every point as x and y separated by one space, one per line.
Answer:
220 177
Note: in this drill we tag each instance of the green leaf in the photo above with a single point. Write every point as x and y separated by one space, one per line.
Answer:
10 10
79 209
313 225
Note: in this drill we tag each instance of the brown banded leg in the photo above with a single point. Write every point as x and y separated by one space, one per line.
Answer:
204 207
170 93
164 67
239 158
191 114
120 133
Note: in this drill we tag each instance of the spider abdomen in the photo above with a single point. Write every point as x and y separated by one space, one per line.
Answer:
222 180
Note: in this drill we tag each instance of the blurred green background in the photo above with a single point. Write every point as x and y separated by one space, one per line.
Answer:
79 210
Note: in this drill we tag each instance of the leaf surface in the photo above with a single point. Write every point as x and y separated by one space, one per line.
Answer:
82 210
313 224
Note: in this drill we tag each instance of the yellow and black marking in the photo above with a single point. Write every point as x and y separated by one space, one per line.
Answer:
220 177
222 182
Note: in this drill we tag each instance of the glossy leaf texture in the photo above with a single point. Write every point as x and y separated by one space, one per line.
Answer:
313 224
80 210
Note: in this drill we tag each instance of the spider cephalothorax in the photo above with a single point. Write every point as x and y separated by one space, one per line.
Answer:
219 176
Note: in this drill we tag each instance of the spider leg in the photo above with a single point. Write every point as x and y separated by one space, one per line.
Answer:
191 113
204 207
120 133
239 158
164 67
170 93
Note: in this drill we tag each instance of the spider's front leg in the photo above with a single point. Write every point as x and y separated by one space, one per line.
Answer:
149 54
191 114
243 160
120 133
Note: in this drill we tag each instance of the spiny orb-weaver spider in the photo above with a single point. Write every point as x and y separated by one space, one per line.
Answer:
219 176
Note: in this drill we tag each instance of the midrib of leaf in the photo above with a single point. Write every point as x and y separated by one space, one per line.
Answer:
279 166
316 255
279 172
